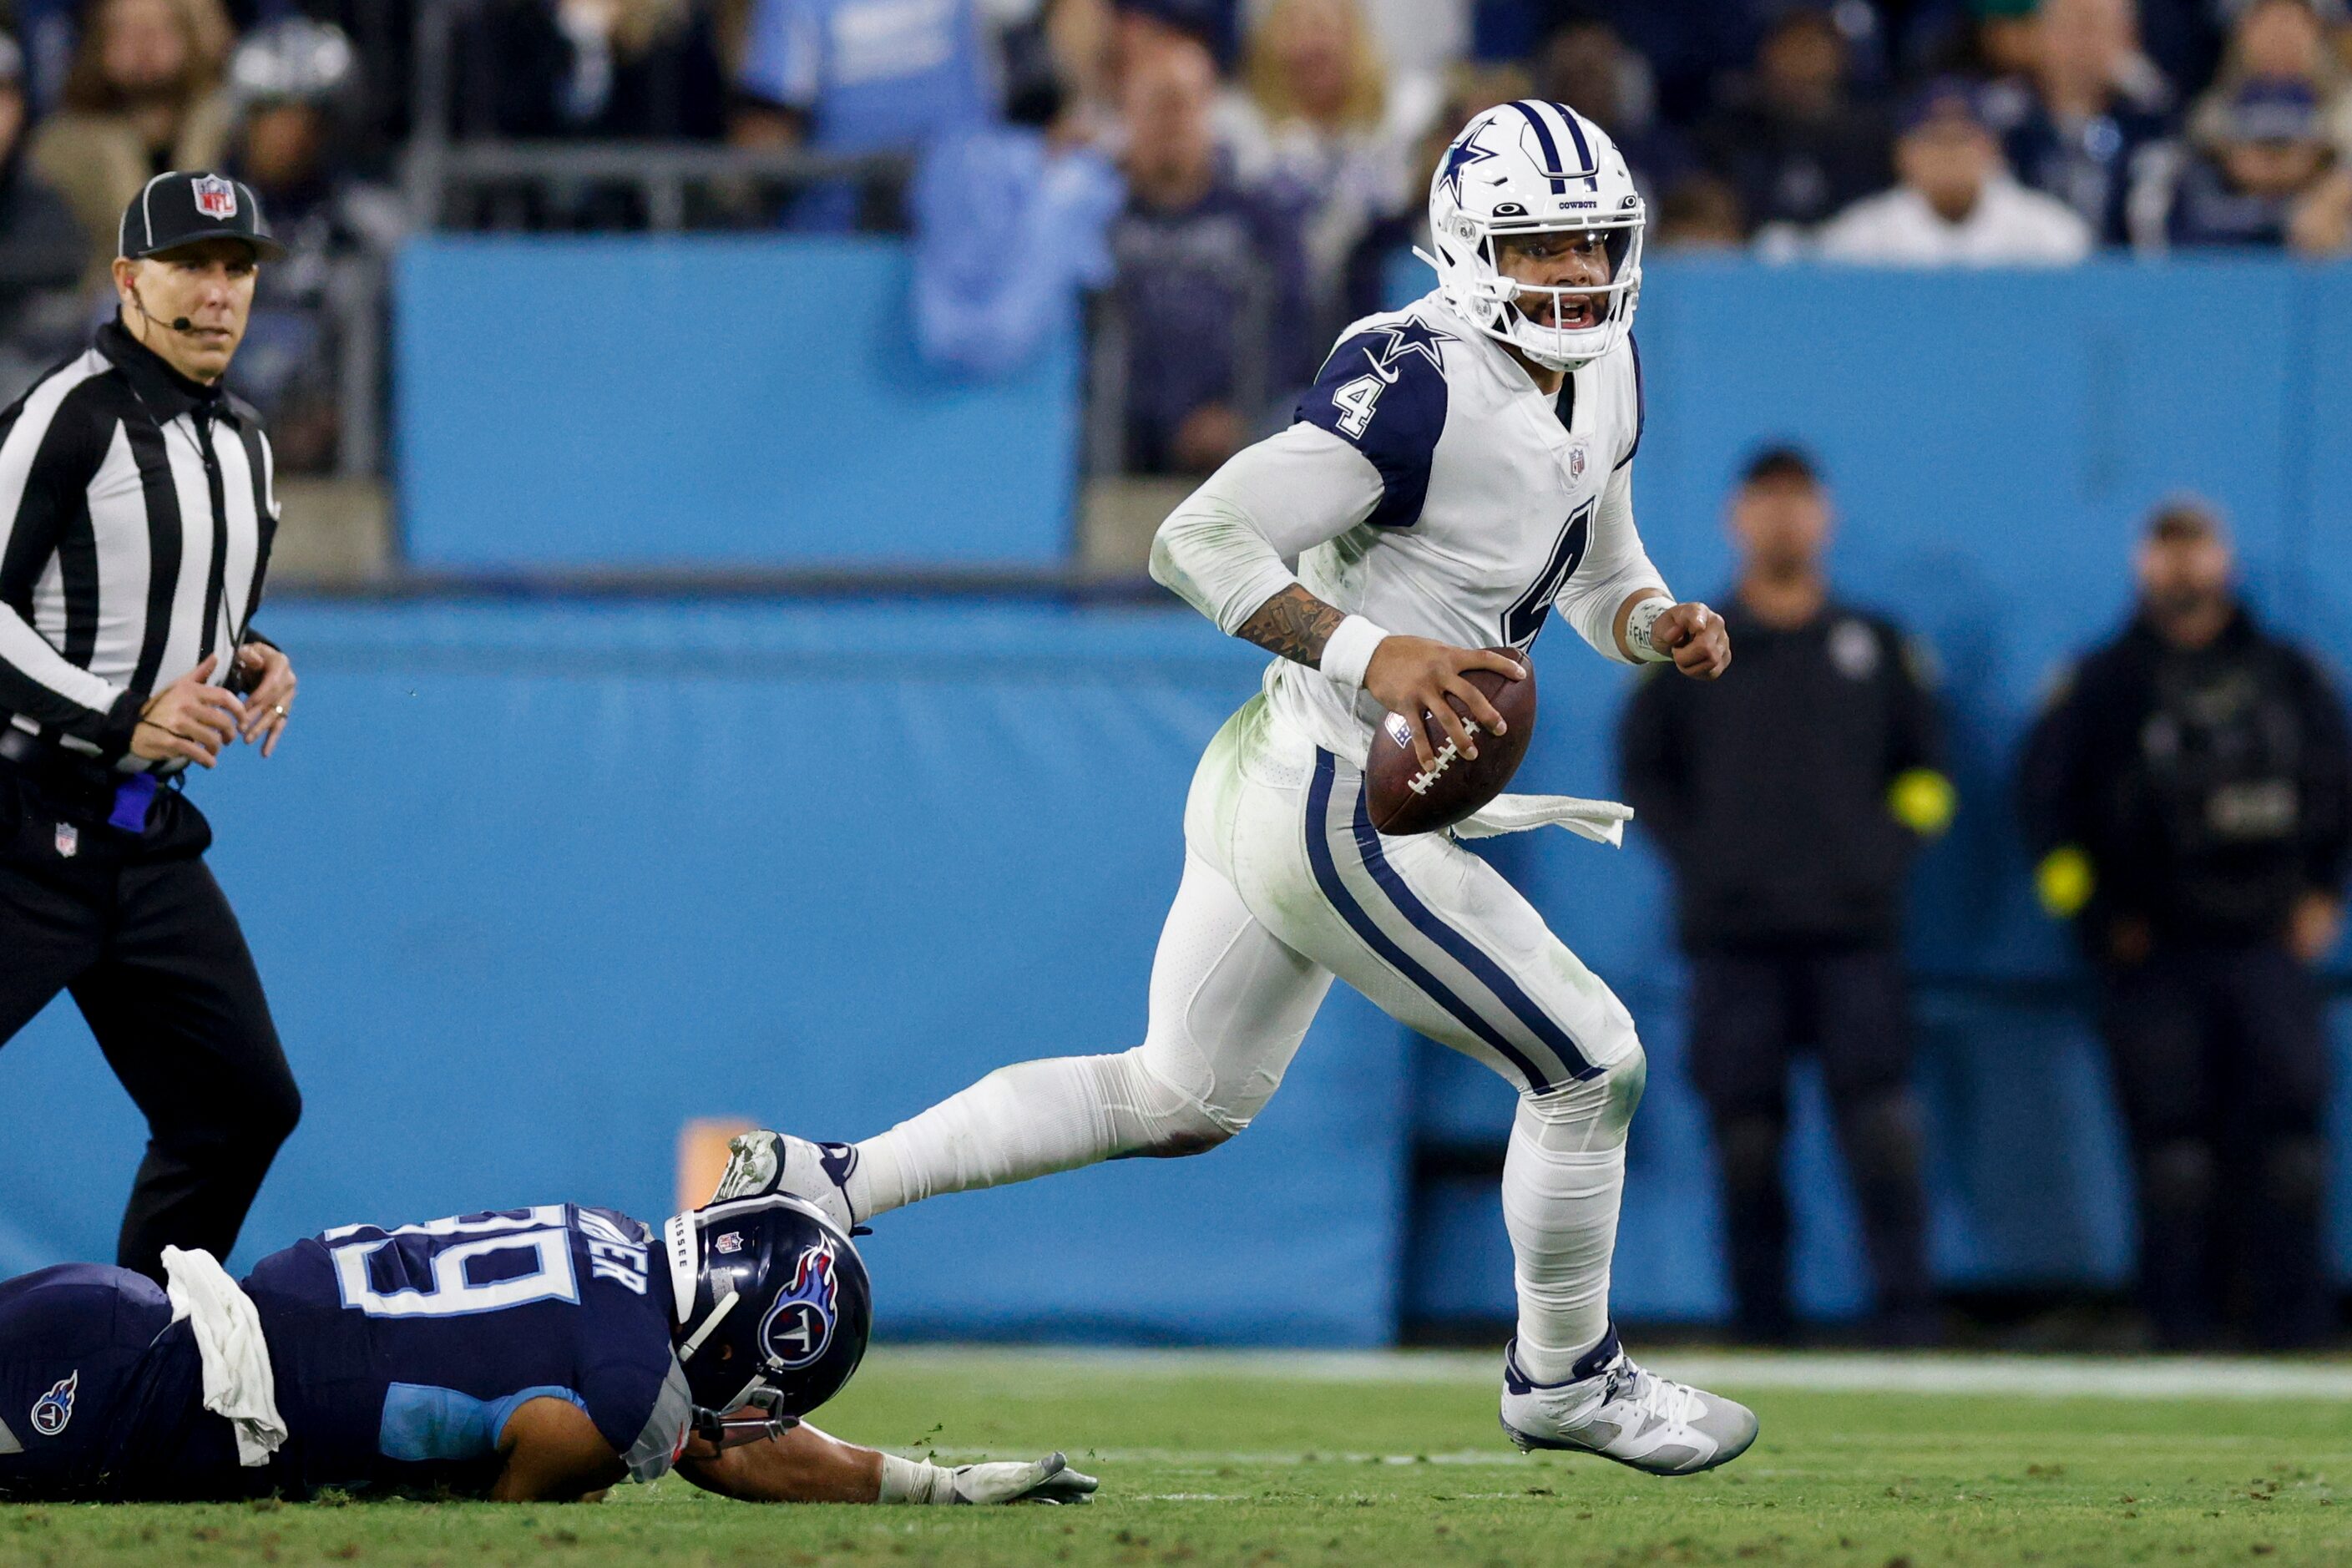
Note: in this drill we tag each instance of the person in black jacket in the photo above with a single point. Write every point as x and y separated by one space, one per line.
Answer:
1790 803
2185 794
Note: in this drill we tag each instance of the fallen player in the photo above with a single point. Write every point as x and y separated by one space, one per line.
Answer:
519 1356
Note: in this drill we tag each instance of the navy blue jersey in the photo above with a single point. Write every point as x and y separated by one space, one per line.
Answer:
101 1395
400 1354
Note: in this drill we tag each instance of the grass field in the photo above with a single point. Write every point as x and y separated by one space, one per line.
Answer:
1397 1459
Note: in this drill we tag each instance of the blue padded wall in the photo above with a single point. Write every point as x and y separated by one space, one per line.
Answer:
575 402
532 886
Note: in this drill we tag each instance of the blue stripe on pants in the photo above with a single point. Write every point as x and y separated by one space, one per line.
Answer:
1467 952
1326 876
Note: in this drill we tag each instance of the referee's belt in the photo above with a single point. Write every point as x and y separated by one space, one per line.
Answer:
83 783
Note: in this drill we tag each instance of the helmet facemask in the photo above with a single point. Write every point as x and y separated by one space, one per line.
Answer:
1507 310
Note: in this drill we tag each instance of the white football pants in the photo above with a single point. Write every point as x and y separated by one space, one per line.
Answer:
1285 884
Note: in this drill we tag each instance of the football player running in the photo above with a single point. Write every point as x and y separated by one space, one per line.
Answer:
522 1355
1460 468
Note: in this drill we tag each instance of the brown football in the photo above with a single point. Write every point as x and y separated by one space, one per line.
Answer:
1402 799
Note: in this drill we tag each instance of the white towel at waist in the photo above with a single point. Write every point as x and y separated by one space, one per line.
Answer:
238 1384
1602 821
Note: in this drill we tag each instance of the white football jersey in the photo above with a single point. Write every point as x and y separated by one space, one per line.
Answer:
1494 502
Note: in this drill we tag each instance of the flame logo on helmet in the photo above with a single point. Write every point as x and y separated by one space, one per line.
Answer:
799 1324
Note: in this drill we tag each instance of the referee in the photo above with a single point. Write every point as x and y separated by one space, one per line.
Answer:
136 511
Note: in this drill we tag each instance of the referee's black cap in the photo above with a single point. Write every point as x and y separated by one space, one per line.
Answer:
183 207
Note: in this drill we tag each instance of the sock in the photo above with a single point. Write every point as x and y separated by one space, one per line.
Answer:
1029 1120
1562 1180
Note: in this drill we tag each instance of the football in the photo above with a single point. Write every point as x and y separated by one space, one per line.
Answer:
1403 799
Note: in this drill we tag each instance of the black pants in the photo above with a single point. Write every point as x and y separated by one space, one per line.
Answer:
1751 1011
135 927
2220 1063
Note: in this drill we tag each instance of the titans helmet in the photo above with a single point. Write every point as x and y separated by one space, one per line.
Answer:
773 1310
1533 167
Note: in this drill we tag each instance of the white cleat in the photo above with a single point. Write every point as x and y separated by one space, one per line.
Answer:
1617 1410
758 1163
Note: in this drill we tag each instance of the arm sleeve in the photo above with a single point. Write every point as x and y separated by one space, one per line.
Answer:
2048 774
1613 566
1915 737
1225 550
1649 749
782 55
2327 786
46 465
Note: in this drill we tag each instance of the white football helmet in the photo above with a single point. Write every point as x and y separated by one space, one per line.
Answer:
1524 168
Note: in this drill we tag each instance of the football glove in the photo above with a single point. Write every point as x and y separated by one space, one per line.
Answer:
1046 1480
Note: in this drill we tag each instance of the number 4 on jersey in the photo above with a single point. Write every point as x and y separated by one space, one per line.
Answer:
1356 401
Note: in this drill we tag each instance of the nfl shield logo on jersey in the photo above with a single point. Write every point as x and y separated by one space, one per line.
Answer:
55 1408
1576 461
215 197
69 840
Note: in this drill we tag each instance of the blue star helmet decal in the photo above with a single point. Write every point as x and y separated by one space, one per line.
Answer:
1460 156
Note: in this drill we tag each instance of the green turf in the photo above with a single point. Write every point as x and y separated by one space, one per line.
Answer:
1224 1462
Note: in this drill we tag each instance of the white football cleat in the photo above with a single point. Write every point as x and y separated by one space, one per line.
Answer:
1617 1410
758 1163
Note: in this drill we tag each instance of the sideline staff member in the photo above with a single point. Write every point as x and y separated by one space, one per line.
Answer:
2186 793
1789 800
136 512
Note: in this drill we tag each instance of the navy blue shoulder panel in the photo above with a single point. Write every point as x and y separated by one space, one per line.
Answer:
1383 391
1641 402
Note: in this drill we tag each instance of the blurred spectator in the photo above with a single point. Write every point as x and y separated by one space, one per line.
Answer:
1423 37
860 76
2006 41
1010 222
1585 63
2271 179
1382 273
143 96
1790 138
1321 123
2279 40
1791 809
42 249
297 91
1956 206
642 69
1060 68
1210 320
1147 24
1692 46
2186 792
1701 212
2082 127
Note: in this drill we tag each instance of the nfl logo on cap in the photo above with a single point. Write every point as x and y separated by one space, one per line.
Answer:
215 197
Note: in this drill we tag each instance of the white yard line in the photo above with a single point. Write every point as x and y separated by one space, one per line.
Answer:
2072 1377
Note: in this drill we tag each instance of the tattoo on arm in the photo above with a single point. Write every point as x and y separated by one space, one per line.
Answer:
1293 624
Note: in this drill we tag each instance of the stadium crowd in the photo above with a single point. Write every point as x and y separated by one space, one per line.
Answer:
1229 180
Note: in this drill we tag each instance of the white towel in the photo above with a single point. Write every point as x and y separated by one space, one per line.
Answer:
1602 821
238 1384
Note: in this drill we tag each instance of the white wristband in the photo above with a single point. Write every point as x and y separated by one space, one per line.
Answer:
1637 631
912 1480
1348 651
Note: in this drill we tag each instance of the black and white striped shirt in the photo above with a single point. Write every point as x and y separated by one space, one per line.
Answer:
137 509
